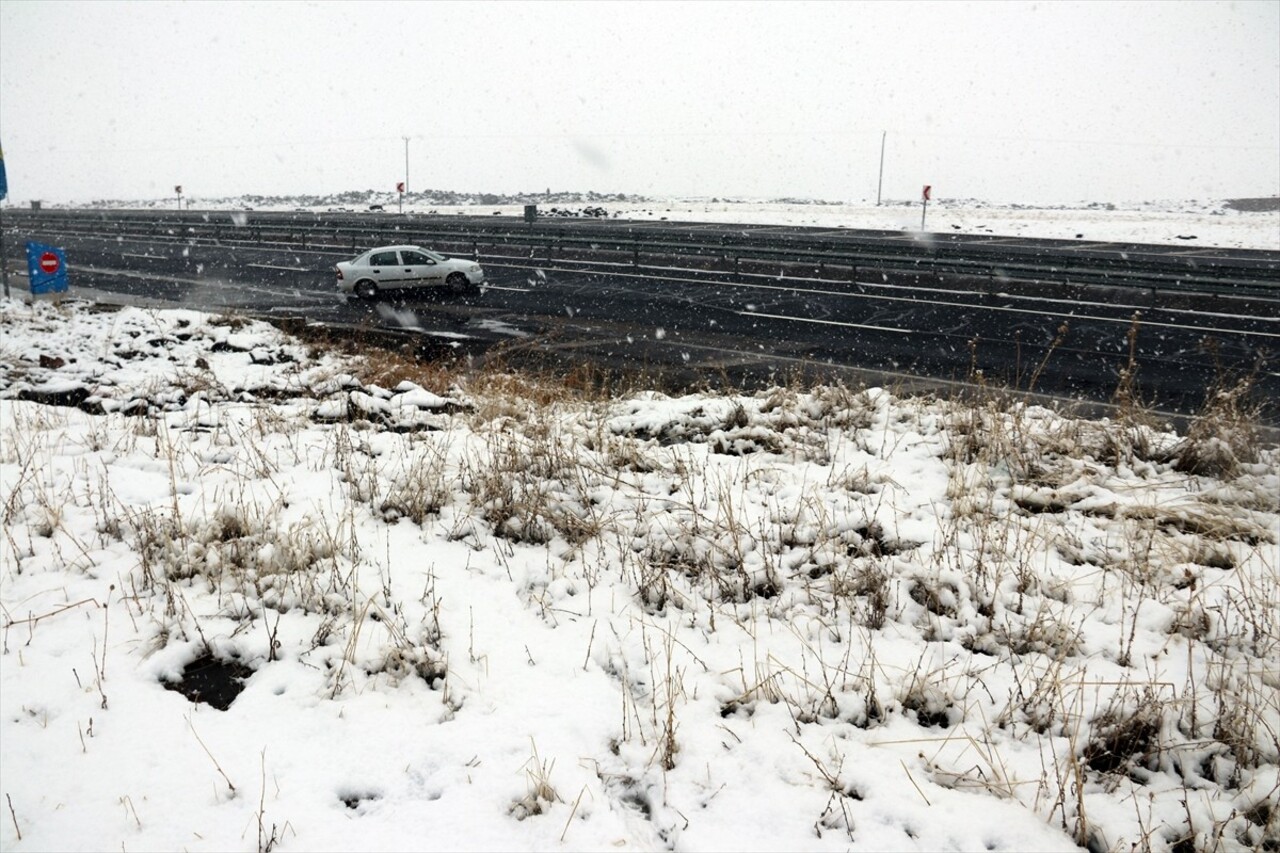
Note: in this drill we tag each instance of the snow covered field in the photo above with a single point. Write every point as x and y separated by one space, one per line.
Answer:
473 611
1186 223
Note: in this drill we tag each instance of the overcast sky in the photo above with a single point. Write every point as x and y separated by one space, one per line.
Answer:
1008 102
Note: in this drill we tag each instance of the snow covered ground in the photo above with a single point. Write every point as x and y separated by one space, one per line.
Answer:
1192 224
472 611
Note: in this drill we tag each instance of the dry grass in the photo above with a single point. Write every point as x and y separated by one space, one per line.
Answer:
1042 546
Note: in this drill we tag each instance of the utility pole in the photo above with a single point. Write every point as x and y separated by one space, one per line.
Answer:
880 186
406 164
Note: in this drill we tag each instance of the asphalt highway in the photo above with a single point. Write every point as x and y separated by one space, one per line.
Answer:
887 325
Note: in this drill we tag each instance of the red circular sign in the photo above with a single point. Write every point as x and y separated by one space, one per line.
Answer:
49 262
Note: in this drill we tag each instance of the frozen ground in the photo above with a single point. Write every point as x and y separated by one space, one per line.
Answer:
474 612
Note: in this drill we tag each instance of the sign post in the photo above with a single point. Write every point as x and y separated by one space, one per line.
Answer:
400 189
924 203
178 190
883 135
406 165
4 258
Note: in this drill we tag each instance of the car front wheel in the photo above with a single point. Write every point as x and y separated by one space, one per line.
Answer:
457 283
366 289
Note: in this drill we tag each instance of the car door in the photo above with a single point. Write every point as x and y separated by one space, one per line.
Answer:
386 270
420 270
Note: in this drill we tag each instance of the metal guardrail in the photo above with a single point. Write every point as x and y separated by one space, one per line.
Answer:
607 247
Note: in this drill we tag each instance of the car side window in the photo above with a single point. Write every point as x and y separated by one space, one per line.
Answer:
382 259
415 259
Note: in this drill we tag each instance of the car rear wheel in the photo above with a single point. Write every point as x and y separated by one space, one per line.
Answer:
457 283
366 289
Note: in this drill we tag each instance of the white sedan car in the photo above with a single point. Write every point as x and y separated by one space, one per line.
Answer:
397 267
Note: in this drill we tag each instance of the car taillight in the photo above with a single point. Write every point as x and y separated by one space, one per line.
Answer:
339 271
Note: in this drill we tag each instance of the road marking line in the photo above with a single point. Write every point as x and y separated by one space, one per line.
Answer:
290 269
1042 313
795 288
826 322
971 306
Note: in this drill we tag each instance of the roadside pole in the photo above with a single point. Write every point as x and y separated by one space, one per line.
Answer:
880 186
924 203
4 255
406 164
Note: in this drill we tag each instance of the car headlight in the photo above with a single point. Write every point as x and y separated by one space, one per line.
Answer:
475 268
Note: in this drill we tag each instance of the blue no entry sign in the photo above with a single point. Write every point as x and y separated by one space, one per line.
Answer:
46 268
